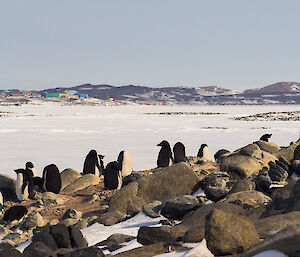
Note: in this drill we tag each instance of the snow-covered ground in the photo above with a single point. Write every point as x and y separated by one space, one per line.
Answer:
51 133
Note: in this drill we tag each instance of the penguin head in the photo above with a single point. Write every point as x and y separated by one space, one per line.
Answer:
93 153
113 166
19 171
29 165
101 157
266 137
164 143
202 146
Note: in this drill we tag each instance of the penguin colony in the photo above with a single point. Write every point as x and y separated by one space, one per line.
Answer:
28 179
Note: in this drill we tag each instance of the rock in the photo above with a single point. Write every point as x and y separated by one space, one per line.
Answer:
269 147
202 168
162 185
61 236
33 220
152 235
10 253
7 182
277 173
273 224
68 176
296 166
286 241
250 198
176 208
81 183
262 183
212 180
199 251
220 154
86 252
228 233
72 214
240 166
92 198
3 232
242 185
287 152
46 238
152 209
77 239
250 150
69 222
82 224
285 199
49 198
195 221
215 193
37 249
132 177
115 239
194 235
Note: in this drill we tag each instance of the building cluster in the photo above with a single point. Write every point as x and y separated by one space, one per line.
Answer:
42 95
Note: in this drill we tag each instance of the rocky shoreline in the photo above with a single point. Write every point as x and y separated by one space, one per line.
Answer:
246 203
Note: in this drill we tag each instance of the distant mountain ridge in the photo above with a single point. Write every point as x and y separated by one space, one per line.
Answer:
278 93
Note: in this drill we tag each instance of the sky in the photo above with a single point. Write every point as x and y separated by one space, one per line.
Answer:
235 44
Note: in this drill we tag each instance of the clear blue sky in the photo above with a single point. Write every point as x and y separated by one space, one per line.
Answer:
234 43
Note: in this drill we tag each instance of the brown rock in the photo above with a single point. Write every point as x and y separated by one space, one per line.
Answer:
269 147
227 233
81 183
68 176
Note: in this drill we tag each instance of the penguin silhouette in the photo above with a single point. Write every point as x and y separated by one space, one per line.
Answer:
165 155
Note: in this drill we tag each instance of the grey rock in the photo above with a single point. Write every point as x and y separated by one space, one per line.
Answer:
116 239
46 238
286 241
152 235
86 252
68 176
277 173
37 249
215 193
61 236
242 185
269 147
77 239
33 220
152 209
72 214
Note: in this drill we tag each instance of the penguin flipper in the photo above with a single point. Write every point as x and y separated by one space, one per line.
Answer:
24 186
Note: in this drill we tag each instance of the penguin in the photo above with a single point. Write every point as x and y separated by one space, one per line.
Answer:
24 184
92 164
220 154
204 153
102 164
30 166
266 137
16 212
179 152
112 176
51 178
125 161
165 155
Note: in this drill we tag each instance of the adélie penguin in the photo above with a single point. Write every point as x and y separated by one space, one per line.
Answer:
204 153
125 161
51 179
179 152
112 176
266 137
30 166
24 184
165 157
92 164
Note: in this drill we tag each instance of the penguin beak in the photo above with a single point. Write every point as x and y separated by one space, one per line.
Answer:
159 144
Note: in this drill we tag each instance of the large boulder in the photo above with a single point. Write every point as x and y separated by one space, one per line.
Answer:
7 182
68 176
273 224
167 183
288 152
241 166
37 249
152 235
269 147
86 252
250 198
285 199
176 208
286 241
242 185
81 183
33 220
227 233
61 236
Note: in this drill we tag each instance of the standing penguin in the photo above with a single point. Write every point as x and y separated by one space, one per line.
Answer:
266 137
92 164
204 153
112 176
102 164
165 155
30 166
125 161
24 184
51 178
179 152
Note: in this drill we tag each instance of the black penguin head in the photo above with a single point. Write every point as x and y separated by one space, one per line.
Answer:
93 154
164 143
265 137
101 157
113 166
202 146
29 165
19 171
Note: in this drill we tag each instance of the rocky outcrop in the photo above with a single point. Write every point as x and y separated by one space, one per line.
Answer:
269 147
227 233
152 235
166 183
68 176
81 183
286 241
